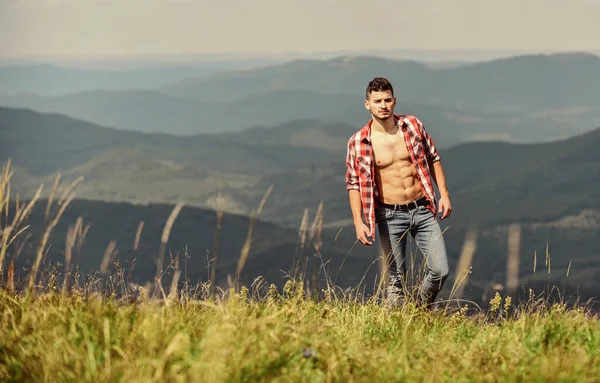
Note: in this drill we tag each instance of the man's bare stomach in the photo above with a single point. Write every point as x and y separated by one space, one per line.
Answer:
398 185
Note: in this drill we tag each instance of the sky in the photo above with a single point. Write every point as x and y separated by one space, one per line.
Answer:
102 28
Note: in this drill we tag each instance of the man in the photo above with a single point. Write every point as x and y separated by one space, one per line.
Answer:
391 166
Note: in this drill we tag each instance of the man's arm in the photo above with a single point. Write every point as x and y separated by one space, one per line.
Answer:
437 173
431 151
352 182
440 178
355 206
353 187
362 231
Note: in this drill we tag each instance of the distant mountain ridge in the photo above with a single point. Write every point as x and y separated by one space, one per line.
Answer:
153 112
54 80
520 99
62 142
561 79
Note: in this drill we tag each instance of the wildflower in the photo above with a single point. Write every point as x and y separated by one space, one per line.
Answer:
288 289
495 302
244 292
273 294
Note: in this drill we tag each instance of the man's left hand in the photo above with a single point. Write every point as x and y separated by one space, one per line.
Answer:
445 206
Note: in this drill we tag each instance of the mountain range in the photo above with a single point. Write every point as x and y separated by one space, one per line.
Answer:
520 99
530 84
50 79
501 176
549 188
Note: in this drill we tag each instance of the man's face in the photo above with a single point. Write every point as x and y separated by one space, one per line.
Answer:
381 104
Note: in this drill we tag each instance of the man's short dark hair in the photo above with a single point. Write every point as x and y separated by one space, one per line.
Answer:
379 84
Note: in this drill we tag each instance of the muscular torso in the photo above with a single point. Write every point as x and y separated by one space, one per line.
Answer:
395 174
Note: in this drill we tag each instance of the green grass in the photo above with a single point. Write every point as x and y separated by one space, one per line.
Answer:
288 337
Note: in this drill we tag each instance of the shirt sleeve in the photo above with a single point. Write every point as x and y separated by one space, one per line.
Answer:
352 182
430 150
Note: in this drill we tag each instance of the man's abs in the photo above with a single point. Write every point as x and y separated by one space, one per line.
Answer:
395 174
398 184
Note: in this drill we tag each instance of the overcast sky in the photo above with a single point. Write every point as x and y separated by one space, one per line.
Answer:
77 28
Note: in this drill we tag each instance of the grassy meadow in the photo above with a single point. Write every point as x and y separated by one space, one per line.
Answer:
57 326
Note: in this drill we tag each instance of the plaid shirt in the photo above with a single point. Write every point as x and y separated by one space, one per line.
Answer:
360 167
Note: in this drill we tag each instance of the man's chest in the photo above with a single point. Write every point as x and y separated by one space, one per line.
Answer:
389 149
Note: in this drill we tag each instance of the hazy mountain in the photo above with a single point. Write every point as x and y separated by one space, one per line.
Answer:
51 79
530 83
520 99
45 143
343 75
555 90
526 183
120 165
149 111
548 187
304 160
153 112
535 82
142 110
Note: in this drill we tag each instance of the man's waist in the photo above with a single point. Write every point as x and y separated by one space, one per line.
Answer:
423 201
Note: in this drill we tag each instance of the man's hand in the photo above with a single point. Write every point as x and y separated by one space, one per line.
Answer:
445 207
362 233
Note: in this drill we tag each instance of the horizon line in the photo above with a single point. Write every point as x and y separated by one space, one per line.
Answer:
258 55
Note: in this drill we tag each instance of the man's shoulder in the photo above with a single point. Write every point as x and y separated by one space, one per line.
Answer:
413 123
359 135
411 118
356 135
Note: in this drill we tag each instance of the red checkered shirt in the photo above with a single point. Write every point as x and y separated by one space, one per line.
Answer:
360 166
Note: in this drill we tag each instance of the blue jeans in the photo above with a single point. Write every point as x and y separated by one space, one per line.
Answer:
394 227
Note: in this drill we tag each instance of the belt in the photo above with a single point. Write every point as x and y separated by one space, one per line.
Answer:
423 201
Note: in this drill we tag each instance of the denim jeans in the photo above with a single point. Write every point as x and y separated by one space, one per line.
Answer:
394 228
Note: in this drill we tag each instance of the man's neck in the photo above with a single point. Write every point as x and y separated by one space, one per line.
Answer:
389 126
